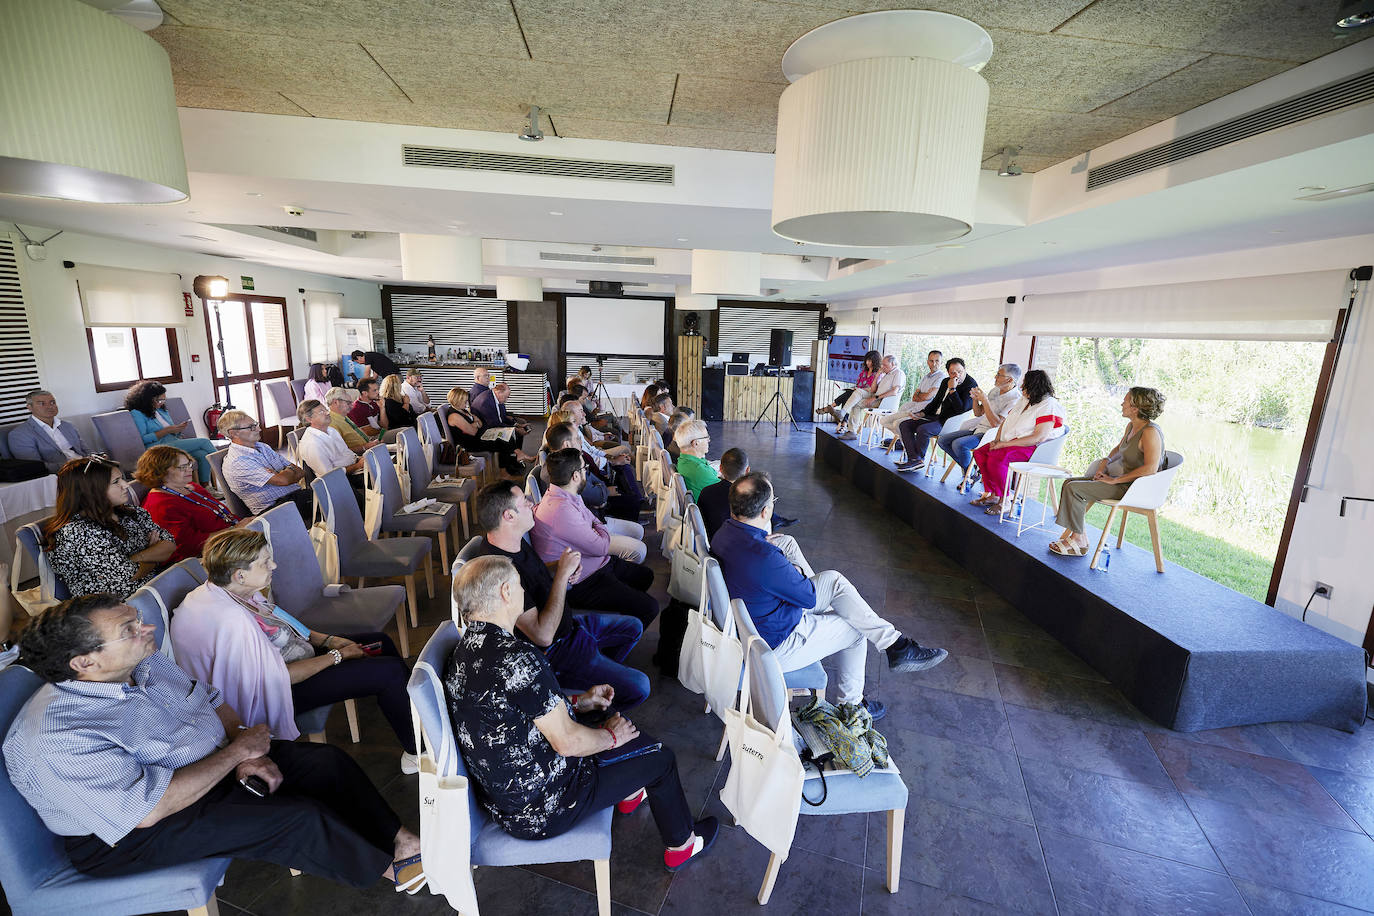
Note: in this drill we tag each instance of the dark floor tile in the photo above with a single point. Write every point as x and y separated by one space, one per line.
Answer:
1148 819
247 880
954 638
1248 780
1085 744
1291 853
309 894
974 677
991 859
1354 793
1068 696
920 582
1046 655
1270 901
1318 746
1252 739
914 897
959 774
638 878
924 606
971 720
838 836
1090 878
1003 618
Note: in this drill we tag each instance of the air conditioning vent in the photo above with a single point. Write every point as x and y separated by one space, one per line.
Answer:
849 262
437 157
1333 97
597 258
310 235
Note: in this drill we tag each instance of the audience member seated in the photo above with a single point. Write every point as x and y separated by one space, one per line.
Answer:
988 410
481 382
9 651
603 580
138 767
266 663
619 510
951 399
256 473
604 436
868 378
146 403
1037 417
680 416
615 463
95 540
354 436
663 411
317 383
889 385
1140 453
490 408
366 412
804 616
693 439
43 437
925 390
377 365
414 391
396 410
464 428
714 501
582 649
177 503
322 448
533 765
646 399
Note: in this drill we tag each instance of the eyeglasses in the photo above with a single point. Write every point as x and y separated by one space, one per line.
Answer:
249 426
136 624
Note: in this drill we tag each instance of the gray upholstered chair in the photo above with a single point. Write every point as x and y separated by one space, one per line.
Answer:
422 484
301 592
121 437
383 476
231 499
282 398
298 388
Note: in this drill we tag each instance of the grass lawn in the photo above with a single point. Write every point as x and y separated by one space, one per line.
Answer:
1222 562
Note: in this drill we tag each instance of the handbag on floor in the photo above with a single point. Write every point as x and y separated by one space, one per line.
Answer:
445 825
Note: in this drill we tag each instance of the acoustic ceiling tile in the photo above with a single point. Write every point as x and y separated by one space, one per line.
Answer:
1060 134
726 104
1293 30
1034 16
665 135
1208 79
403 112
263 101
240 60
475 26
599 90
1058 73
1028 163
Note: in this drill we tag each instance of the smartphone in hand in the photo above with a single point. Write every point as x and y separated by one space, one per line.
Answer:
255 784
372 648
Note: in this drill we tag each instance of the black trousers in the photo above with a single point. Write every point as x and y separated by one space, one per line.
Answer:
382 676
619 587
916 434
628 503
326 819
304 501
656 772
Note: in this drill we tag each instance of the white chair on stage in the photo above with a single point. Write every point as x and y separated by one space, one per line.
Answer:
1145 495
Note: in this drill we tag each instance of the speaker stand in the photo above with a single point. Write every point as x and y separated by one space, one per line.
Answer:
776 402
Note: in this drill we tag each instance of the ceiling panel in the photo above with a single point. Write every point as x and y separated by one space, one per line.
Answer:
243 60
589 90
1194 85
665 135
1035 16
485 27
263 101
726 104
1028 162
402 112
1057 134
1292 30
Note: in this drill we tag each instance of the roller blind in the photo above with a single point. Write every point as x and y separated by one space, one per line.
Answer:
21 363
1281 307
745 330
321 308
122 298
974 318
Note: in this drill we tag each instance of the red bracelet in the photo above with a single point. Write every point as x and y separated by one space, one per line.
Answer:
607 728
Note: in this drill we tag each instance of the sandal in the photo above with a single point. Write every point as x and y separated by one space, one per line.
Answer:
408 875
992 508
985 500
1068 549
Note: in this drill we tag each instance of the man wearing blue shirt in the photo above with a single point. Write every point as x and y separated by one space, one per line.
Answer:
804 616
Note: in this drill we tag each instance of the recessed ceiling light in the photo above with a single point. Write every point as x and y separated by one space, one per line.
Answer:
555 213
252 194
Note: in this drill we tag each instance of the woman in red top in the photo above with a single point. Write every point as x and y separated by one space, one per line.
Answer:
866 383
177 502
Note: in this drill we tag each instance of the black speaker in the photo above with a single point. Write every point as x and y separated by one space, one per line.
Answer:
779 347
713 394
803 389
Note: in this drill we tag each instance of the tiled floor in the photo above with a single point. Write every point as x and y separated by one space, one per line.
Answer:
1035 787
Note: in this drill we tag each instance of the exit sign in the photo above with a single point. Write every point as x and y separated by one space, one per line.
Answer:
246 282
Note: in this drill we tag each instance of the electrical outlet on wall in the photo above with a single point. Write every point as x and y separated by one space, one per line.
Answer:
1324 590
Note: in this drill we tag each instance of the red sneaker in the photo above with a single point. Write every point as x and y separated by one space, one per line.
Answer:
703 836
631 804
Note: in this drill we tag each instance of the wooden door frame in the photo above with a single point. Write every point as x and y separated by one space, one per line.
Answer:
217 381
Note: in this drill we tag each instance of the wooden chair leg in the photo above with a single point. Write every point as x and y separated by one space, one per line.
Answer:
896 821
1121 532
362 583
770 877
211 908
429 576
724 743
1154 540
1105 528
351 710
316 738
410 597
403 632
443 556
467 523
603 886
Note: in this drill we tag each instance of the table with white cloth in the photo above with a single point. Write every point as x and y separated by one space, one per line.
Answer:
21 503
623 397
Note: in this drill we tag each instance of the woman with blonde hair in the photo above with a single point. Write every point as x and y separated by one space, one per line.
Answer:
395 404
179 504
465 429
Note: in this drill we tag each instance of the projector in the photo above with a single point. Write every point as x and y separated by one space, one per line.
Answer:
605 288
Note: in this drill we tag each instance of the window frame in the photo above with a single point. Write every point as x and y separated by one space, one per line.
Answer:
173 353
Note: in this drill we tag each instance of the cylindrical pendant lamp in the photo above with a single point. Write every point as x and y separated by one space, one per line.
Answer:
686 300
880 135
520 289
726 273
441 258
87 110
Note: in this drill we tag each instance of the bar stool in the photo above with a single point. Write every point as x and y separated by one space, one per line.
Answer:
1025 471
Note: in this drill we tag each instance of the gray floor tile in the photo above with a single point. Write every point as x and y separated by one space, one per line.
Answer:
958 774
1327 747
1069 696
1290 853
1148 819
842 836
924 606
1354 793
974 677
1270 901
971 720
914 897
1091 878
1252 739
1046 655
1085 744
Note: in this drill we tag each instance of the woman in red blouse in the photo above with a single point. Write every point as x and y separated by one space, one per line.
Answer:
177 502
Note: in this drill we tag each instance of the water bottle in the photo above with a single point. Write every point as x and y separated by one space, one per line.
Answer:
1104 559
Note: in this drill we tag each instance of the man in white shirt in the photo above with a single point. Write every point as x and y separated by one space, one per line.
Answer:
989 409
925 390
44 437
889 384
321 446
414 388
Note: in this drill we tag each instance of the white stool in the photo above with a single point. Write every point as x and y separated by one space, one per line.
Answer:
1024 471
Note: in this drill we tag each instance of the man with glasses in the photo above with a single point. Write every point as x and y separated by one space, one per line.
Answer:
138 767
693 439
256 473
354 437
988 410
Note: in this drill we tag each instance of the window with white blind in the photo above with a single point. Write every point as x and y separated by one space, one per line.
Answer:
321 308
117 297
741 329
971 318
21 362
454 320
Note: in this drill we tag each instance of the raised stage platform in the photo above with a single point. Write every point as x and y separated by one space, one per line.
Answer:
1189 653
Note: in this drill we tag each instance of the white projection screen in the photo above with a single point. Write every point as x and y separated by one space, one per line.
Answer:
623 327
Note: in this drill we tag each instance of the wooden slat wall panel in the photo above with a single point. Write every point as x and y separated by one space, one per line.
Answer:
21 362
645 368
455 321
747 395
745 330
688 393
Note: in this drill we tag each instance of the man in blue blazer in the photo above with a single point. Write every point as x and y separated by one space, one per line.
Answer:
43 437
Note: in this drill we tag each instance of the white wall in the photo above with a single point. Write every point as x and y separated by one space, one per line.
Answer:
54 311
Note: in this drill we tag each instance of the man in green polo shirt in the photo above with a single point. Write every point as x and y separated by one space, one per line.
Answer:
692 441
355 438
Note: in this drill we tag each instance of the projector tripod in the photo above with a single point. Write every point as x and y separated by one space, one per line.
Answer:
776 402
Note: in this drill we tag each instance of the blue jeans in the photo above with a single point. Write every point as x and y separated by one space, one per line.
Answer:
579 666
959 445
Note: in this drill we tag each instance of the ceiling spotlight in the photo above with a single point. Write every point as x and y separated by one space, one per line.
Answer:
1009 169
1352 15
532 131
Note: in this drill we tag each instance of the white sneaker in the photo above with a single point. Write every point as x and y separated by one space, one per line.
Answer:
410 763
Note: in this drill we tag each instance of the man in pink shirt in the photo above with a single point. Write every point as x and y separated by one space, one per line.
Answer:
602 582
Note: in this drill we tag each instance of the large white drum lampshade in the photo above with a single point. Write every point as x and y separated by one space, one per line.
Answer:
441 258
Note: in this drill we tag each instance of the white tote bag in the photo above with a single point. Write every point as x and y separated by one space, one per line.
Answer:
38 599
445 826
684 580
325 542
374 505
764 788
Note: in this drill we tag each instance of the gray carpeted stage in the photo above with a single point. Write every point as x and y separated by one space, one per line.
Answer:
1188 652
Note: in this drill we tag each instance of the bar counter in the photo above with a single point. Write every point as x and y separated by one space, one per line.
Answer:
527 389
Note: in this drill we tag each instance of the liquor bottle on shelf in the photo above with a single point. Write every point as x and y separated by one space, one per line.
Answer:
433 357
